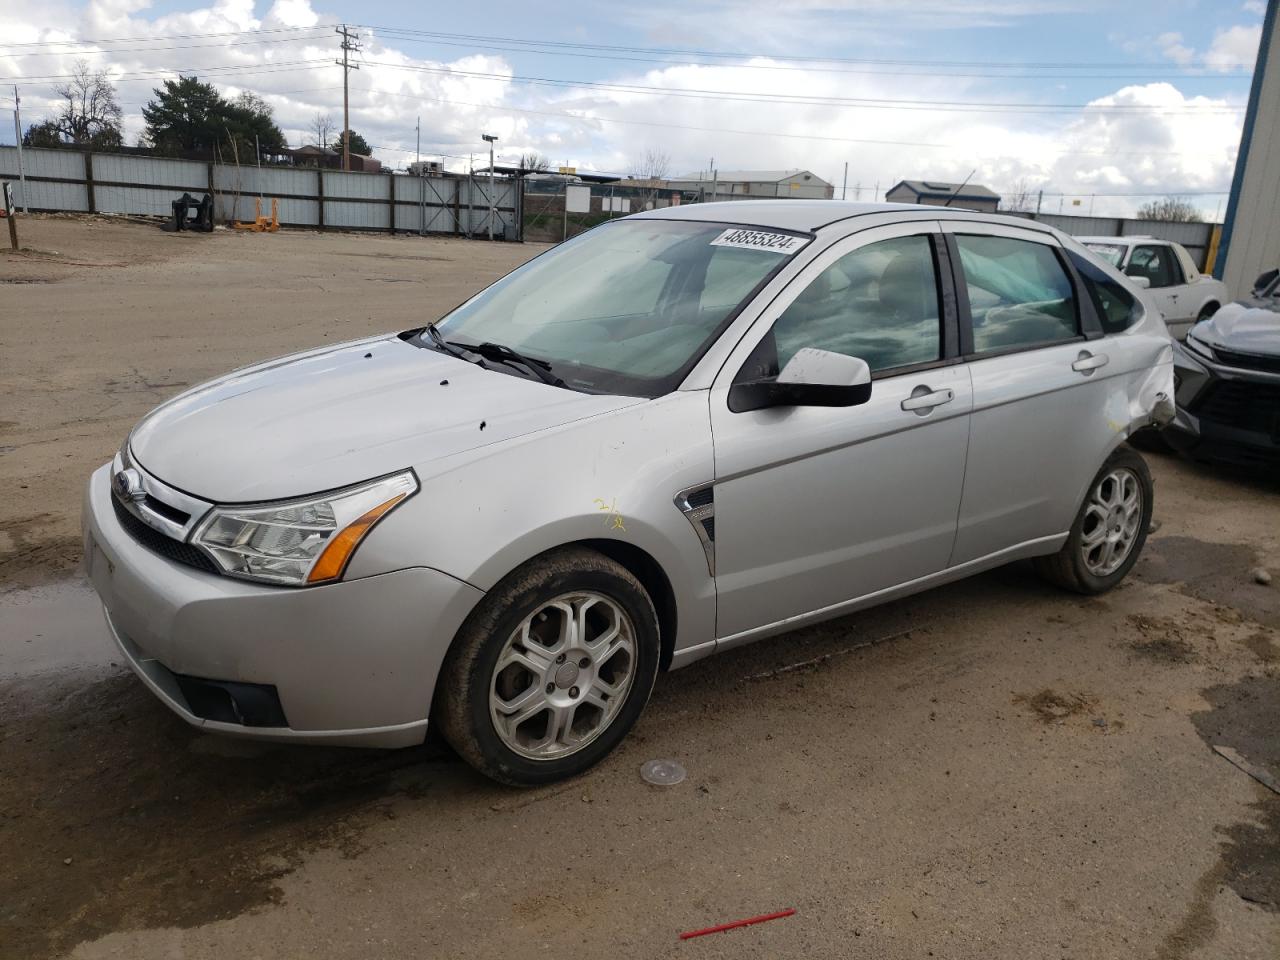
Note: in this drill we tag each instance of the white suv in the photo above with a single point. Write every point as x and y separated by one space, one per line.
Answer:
1183 294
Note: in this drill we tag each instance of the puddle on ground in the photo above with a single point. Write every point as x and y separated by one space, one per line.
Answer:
52 629
1217 573
1246 716
202 834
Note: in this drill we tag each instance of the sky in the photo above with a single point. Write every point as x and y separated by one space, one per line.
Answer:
1099 105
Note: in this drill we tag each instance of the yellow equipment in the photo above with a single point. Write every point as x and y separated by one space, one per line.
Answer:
260 223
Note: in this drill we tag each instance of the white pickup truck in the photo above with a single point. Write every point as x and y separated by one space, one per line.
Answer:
1183 294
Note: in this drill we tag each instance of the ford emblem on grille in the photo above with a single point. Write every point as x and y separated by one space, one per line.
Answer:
127 485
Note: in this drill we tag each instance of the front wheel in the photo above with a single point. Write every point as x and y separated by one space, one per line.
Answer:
551 670
1109 530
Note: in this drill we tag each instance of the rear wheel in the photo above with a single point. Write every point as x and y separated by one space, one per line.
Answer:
552 669
1109 530
1207 311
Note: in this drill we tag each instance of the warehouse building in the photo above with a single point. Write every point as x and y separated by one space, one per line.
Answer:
1250 242
967 196
738 184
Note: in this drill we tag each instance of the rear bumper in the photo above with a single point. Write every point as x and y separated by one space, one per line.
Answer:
352 663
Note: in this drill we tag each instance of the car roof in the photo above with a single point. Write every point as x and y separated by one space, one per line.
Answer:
1128 240
807 216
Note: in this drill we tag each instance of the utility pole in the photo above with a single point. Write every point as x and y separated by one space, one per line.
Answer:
845 182
349 45
1039 201
17 138
491 139
418 148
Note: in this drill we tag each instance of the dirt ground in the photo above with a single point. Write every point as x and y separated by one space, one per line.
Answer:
993 769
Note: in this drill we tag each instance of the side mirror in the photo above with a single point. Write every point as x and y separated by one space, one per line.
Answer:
1142 283
812 378
1265 280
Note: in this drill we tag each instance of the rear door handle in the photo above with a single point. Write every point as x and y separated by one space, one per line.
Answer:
928 400
1088 362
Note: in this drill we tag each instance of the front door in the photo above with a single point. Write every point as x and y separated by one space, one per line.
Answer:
816 506
1157 263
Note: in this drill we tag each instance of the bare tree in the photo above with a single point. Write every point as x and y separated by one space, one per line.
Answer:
1019 198
89 115
652 165
1171 210
322 126
533 162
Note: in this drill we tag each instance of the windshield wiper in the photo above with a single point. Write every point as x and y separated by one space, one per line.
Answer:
503 354
451 348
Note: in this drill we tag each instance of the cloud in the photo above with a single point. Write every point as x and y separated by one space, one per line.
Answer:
1255 6
1173 143
1234 48
1171 46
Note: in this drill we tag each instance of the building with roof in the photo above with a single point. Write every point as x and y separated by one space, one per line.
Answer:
331 159
967 196
733 184
1250 242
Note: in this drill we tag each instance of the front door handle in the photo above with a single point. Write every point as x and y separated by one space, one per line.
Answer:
1088 362
923 399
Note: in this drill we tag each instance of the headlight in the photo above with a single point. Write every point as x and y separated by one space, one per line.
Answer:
299 542
1197 346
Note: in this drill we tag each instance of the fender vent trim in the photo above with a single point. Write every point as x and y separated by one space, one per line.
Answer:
698 504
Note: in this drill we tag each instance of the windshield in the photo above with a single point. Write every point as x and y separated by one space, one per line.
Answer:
1109 252
628 307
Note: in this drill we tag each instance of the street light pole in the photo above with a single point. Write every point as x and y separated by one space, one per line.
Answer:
490 139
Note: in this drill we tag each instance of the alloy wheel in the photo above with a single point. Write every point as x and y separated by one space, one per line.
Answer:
1111 521
562 676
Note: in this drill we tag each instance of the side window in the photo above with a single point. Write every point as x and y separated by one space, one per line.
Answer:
878 303
1019 293
1117 309
1154 263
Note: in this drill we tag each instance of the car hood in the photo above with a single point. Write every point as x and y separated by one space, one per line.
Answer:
1242 328
333 417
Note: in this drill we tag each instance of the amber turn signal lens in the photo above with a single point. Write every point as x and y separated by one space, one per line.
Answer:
334 559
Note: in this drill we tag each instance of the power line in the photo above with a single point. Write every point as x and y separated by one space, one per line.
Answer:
166 37
201 46
786 57
873 103
397 34
750 133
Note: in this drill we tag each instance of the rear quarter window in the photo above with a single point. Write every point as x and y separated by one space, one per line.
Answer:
1116 307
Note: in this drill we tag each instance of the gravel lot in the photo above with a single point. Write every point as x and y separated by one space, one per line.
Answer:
993 769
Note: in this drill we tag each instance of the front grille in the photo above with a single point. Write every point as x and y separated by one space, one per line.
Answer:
1242 404
157 542
1247 361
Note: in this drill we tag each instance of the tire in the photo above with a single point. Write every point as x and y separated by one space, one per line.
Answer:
516 651
1207 311
1081 565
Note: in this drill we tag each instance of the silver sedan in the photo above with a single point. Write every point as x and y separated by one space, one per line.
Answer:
683 431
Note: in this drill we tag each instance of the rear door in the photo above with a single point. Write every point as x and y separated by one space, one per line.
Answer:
815 506
1039 428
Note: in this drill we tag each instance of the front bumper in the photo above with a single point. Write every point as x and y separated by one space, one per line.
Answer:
352 663
1225 413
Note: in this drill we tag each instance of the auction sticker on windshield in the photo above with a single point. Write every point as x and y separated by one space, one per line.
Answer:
759 240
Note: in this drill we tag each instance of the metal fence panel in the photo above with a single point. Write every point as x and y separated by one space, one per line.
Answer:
188 175
354 215
305 196
362 186
42 163
145 201
73 197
